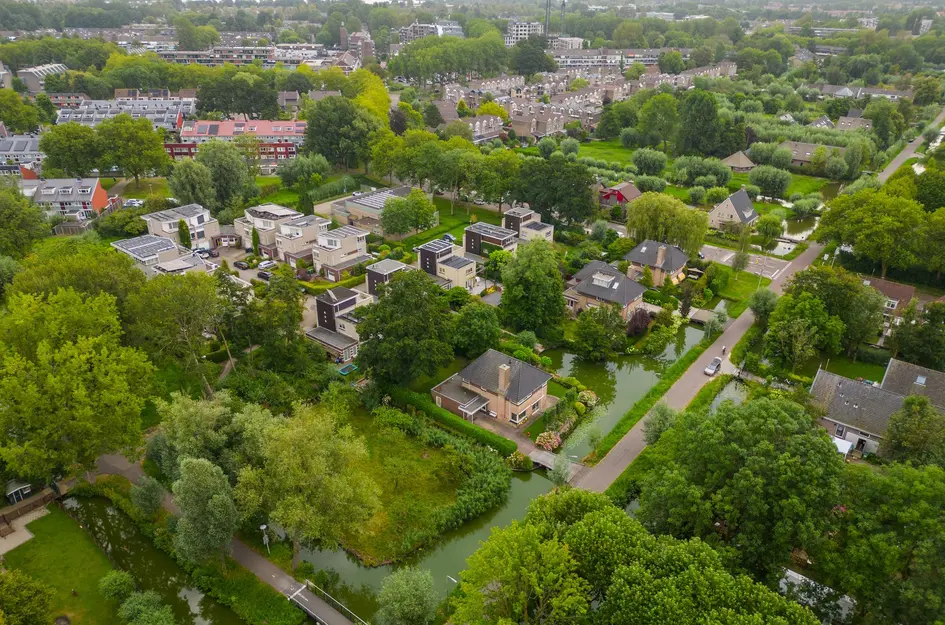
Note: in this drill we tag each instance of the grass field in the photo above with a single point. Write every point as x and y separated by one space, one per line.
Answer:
739 289
63 557
842 365
424 383
453 223
800 183
146 187
416 482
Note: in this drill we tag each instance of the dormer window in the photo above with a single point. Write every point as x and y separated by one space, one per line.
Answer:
85 190
920 380
602 280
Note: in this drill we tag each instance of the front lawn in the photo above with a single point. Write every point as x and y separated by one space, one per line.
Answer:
454 223
739 289
144 188
64 558
843 365
417 482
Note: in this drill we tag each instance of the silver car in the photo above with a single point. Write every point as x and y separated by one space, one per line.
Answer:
714 366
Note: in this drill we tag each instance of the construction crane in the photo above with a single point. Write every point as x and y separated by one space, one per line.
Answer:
562 16
548 18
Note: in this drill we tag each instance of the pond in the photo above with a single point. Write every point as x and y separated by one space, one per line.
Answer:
357 585
780 248
619 383
800 229
735 391
153 569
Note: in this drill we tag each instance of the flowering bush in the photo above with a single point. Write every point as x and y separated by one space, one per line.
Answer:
588 398
548 441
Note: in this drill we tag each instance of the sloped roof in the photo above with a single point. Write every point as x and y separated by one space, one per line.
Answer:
892 290
744 207
646 252
822 122
619 290
906 378
856 404
524 379
738 160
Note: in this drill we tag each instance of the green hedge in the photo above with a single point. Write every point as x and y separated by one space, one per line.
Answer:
403 397
317 289
709 392
649 400
740 350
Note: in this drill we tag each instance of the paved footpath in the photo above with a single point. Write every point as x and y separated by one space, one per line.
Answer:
907 152
601 476
262 568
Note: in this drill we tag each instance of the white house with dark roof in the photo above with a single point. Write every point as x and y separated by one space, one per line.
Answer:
527 224
481 238
736 209
382 272
297 237
339 250
447 266
266 220
600 284
20 150
497 386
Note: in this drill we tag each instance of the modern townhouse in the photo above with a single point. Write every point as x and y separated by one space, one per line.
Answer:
298 237
381 273
164 114
527 224
203 226
266 220
75 199
482 238
337 322
340 250
439 259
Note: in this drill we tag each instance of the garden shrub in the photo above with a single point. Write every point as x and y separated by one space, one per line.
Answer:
519 462
716 195
650 183
116 585
317 289
706 182
696 195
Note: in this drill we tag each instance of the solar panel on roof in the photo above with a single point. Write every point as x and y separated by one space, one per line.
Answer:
214 129
202 129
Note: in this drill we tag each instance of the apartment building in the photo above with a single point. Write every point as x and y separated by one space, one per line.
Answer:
218 55
439 29
75 199
610 57
20 150
298 236
163 114
447 266
337 322
567 43
202 225
35 77
481 238
266 220
527 224
278 140
68 100
519 31
338 251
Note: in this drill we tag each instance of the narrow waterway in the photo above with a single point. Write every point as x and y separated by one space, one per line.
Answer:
153 569
619 383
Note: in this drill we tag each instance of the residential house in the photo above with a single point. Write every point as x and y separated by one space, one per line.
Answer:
498 386
338 251
316 95
266 220
226 237
440 260
855 411
666 262
484 127
297 238
6 77
289 101
739 162
803 153
907 379
854 123
736 209
600 284
163 114
277 140
822 122
449 269
363 210
35 77
337 321
20 150
538 125
68 100
148 250
75 199
202 225
619 194
841 91
897 297
481 238
527 224
186 263
381 272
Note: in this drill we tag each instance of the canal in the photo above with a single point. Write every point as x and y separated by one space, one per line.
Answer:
152 569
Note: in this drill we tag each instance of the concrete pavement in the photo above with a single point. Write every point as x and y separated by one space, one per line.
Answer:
758 264
907 152
602 475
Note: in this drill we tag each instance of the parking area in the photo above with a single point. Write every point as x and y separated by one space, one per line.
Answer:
769 267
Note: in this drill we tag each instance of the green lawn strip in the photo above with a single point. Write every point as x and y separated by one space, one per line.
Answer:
62 556
680 193
739 289
800 183
843 365
416 483
709 392
535 427
108 183
425 383
645 403
555 389
146 187
454 223
764 208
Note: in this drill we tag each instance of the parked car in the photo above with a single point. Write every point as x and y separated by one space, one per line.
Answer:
714 366
248 250
134 203
264 275
241 264
449 237
213 253
266 264
479 202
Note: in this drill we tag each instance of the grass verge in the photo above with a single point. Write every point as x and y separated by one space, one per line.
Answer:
64 558
645 403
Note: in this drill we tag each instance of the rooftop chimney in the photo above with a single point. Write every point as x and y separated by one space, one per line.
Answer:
660 255
505 377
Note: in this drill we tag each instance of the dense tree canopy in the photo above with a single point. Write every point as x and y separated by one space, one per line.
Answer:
533 294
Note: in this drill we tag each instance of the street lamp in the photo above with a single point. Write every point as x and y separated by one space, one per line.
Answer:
262 528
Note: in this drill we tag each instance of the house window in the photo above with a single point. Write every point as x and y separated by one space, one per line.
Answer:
439 401
891 304
840 430
535 407
518 418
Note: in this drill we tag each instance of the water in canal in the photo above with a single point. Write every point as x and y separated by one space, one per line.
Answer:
153 569
621 382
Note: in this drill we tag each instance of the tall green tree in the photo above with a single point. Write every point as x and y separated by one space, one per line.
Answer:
340 131
23 600
600 333
17 114
476 329
659 115
560 191
208 515
192 182
407 333
23 223
698 124
227 168
72 147
755 481
132 145
916 432
661 217
533 293
407 597
311 481
798 327
401 215
920 337
71 391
